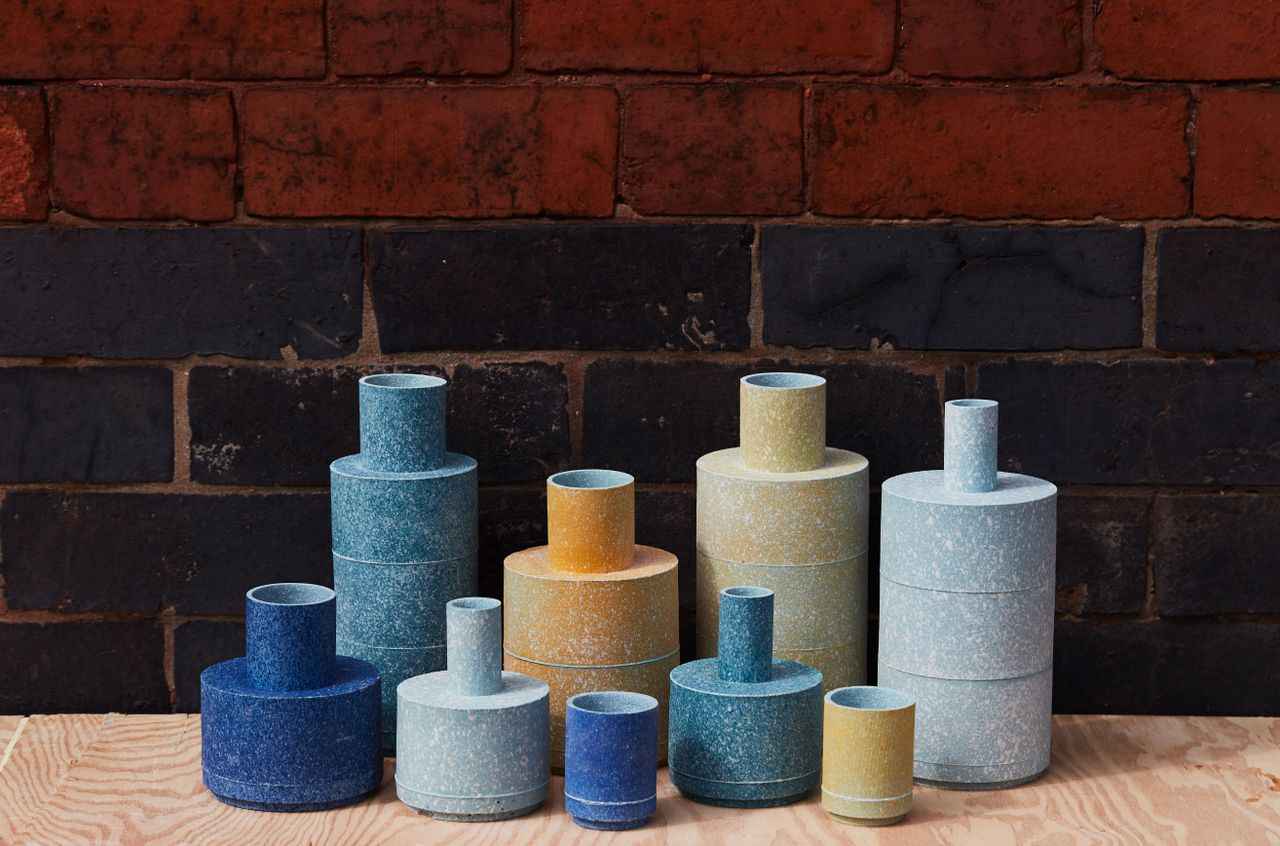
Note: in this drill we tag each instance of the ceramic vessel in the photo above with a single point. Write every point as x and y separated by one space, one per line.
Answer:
404 532
472 739
610 759
966 608
592 610
746 728
868 739
291 726
785 512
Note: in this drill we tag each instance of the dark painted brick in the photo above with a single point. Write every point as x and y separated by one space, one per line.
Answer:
1216 554
953 383
563 286
161 293
1102 553
198 644
654 420
145 552
270 426
511 519
1138 422
966 288
1159 667
1217 290
666 519
106 424
82 667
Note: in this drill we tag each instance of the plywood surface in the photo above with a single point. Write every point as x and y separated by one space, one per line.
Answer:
136 779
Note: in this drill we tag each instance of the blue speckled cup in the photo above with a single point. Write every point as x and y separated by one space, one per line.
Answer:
610 759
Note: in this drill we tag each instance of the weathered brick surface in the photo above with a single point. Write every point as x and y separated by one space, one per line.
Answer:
1034 288
721 36
1238 153
655 419
198 644
511 519
1102 553
1217 290
985 153
24 155
1215 554
725 149
563 287
163 39
448 152
162 293
271 426
1189 39
999 39
1161 667
666 519
1138 422
144 153
107 424
142 553
412 36
85 667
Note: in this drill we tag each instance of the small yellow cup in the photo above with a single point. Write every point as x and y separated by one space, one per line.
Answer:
868 743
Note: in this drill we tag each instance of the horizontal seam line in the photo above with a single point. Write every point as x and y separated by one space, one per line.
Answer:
592 666
949 678
1047 586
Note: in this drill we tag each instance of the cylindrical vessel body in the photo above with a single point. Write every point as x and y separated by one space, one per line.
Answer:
475 645
868 736
746 634
774 514
591 521
966 610
610 759
289 636
404 533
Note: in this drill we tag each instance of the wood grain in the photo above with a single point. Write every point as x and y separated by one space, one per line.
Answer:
136 779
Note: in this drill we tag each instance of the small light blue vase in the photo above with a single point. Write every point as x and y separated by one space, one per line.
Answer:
611 759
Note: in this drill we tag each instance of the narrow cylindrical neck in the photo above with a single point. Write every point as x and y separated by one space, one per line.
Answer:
782 421
474 645
591 521
402 422
746 634
969 445
290 636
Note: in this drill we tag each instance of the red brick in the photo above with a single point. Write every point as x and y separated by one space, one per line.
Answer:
1238 154
440 151
162 39
999 39
144 153
24 155
1030 152
730 36
1190 39
421 36
720 149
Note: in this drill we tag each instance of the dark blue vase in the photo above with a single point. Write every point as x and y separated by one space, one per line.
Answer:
611 759
291 726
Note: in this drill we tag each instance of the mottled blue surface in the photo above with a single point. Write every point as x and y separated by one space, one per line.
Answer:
418 593
402 421
290 636
746 634
969 444
610 759
394 665
474 649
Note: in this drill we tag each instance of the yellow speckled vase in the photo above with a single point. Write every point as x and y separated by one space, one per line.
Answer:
785 512
868 747
592 610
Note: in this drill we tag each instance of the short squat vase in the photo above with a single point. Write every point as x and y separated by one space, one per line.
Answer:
291 726
784 511
610 759
868 737
746 728
404 533
966 608
472 740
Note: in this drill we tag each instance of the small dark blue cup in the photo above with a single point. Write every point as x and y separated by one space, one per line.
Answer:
611 759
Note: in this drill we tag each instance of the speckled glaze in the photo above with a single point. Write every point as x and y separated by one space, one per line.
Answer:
404 532
585 621
868 736
786 512
966 608
472 739
742 743
290 727
610 765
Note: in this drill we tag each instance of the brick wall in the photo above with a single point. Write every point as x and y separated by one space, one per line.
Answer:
593 217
